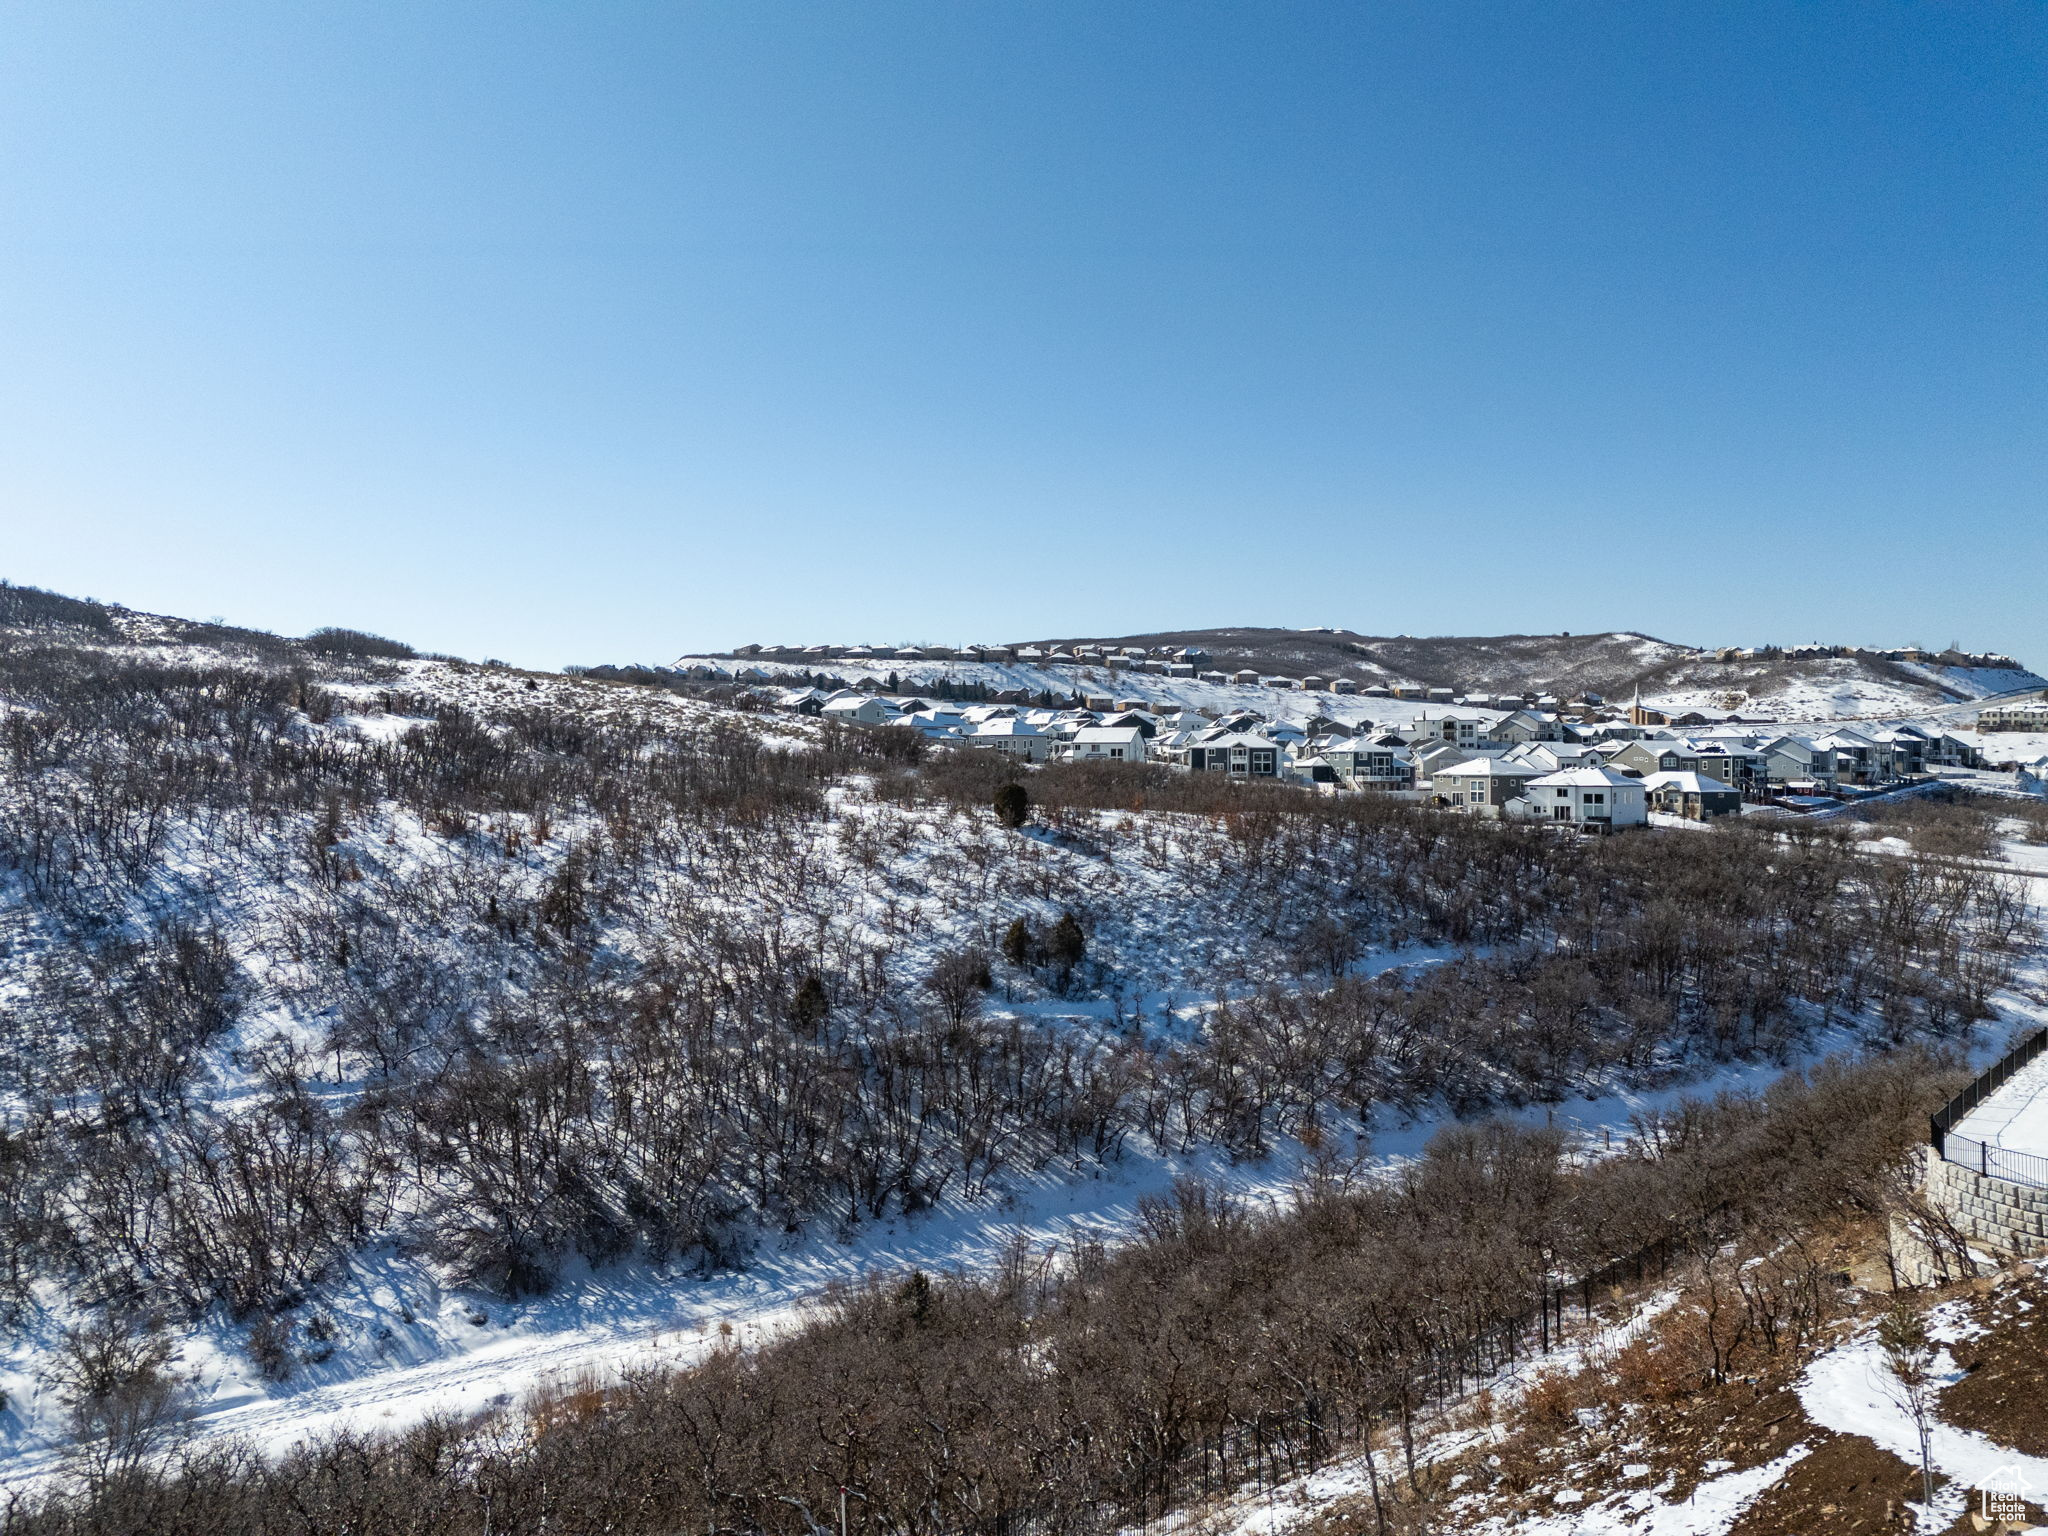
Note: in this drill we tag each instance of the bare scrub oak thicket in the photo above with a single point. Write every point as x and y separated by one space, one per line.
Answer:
314 945
1216 1350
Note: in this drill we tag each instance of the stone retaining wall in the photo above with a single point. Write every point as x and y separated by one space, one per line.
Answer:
2004 1219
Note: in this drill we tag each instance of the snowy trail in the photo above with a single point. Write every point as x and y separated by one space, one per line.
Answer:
634 1317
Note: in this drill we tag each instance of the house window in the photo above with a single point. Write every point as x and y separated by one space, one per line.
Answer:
1116 751
1562 792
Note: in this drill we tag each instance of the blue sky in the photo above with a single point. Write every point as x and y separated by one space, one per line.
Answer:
587 332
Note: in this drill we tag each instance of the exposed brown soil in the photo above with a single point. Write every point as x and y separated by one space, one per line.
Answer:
1846 1486
1584 1431
1736 1428
2005 1394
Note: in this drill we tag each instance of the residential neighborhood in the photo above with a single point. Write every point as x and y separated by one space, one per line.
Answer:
1594 774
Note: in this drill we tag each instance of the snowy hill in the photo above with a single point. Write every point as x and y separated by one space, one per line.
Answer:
384 1035
1618 666
1566 665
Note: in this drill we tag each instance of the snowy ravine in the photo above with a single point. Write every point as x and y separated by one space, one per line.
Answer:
468 1352
410 1347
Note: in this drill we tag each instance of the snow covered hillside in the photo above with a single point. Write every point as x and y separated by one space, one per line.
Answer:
1617 667
1584 1440
1828 688
382 1033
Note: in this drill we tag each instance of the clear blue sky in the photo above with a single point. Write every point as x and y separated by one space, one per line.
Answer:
599 331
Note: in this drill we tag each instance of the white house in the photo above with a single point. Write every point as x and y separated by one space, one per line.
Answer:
1098 743
1592 799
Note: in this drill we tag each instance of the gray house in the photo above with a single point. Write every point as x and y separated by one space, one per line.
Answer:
1695 796
1238 753
1482 786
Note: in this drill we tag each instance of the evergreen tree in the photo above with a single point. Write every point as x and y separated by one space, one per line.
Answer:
1013 805
808 1008
1020 944
1066 946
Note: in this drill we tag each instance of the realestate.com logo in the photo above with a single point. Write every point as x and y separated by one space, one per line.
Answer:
2003 1497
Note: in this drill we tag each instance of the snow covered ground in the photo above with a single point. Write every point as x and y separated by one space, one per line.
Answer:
1848 1390
2015 1118
416 1349
409 1348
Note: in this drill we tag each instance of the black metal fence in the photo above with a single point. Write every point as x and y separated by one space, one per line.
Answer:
1999 1163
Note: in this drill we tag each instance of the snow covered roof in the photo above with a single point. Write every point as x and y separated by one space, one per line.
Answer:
1586 778
1489 767
1009 727
1689 783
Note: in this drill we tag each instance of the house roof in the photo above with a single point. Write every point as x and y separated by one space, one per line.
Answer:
1586 778
1489 768
1010 727
1689 783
